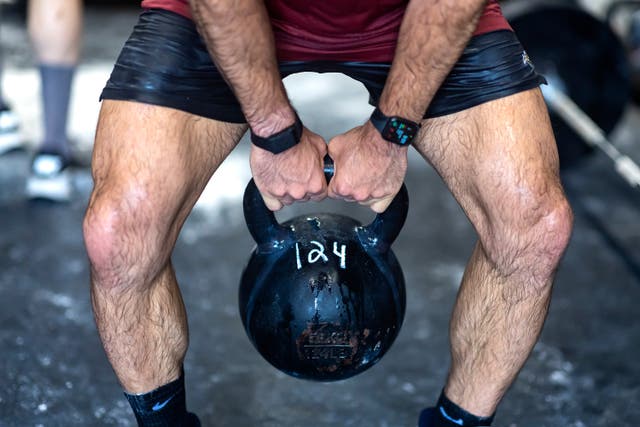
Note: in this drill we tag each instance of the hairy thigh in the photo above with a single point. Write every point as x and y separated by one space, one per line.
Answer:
150 165
168 152
500 161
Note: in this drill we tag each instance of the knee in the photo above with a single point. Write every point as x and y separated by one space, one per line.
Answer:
532 240
550 236
122 241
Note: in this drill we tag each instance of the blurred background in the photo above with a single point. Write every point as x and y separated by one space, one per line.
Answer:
583 372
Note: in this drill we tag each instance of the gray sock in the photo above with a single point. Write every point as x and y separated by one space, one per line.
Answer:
56 93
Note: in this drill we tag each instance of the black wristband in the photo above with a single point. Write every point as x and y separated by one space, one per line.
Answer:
281 141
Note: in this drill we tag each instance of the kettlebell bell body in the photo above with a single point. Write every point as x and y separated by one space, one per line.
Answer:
322 296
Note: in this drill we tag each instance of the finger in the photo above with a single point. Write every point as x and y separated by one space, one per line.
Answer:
318 187
302 198
272 203
336 196
287 201
379 205
330 191
318 197
295 192
338 190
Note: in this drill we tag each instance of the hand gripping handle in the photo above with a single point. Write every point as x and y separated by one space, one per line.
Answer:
270 235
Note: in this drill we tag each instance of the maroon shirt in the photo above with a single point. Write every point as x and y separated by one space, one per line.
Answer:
338 30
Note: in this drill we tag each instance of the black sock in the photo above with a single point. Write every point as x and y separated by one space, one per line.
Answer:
448 414
163 407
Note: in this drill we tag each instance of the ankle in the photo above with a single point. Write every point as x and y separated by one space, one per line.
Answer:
449 414
163 407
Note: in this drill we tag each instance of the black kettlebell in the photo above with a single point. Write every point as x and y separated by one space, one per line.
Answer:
322 296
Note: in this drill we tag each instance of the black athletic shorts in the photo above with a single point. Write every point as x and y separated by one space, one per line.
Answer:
165 62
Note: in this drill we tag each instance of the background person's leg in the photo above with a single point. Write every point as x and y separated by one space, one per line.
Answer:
10 137
150 165
500 161
55 28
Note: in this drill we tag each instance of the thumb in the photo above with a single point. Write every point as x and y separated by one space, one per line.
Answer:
272 203
380 205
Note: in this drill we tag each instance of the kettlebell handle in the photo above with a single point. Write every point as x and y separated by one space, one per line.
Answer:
270 235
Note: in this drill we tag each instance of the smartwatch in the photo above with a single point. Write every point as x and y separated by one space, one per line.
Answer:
280 141
394 129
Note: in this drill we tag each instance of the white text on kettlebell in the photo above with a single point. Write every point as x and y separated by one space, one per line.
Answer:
318 253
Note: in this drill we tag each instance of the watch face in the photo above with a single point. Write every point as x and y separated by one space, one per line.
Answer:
399 131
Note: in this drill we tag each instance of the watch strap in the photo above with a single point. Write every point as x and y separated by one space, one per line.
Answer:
378 119
282 140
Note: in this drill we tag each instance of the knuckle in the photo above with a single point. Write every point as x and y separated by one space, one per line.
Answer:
340 187
297 193
361 196
317 187
277 193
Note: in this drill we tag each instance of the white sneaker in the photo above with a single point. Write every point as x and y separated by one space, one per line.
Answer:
50 178
10 137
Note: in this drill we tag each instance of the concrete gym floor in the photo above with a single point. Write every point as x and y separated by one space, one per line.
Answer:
584 372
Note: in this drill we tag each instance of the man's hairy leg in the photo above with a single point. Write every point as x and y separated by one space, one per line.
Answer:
150 165
55 28
500 162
